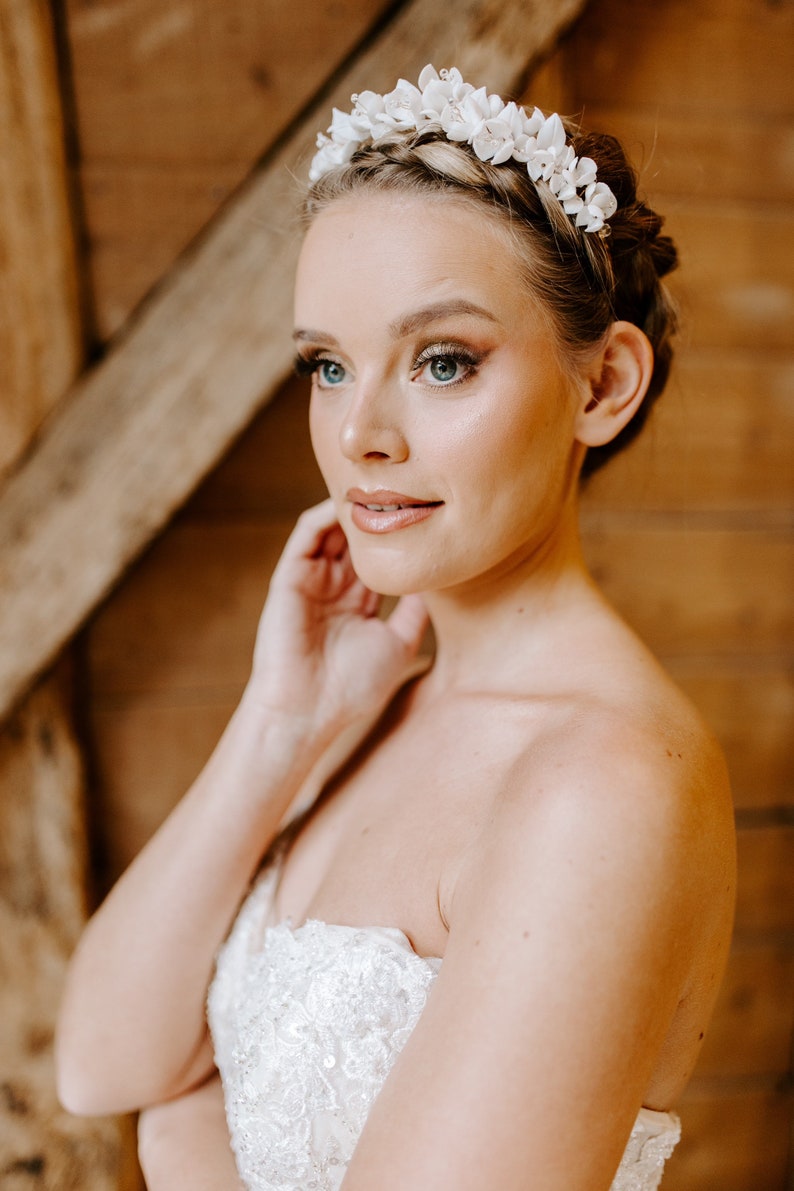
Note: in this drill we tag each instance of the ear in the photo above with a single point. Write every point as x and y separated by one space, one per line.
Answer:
616 385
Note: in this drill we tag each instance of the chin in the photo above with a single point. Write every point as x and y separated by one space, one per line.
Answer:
390 573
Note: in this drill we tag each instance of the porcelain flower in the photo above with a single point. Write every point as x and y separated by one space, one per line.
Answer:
496 131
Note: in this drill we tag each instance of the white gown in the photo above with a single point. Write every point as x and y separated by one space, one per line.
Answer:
306 1024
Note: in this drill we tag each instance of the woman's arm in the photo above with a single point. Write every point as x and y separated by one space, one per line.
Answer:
132 1029
574 930
183 1145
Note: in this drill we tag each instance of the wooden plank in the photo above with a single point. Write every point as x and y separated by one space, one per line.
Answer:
40 345
42 875
141 217
688 589
210 348
679 58
157 81
734 1138
696 156
765 896
743 297
185 619
146 752
749 704
154 85
752 1030
719 438
42 833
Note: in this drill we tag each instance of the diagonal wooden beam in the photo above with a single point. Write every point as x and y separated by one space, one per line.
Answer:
204 354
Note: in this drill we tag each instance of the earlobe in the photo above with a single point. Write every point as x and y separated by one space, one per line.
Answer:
617 385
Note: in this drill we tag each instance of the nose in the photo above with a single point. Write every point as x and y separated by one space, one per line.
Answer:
371 427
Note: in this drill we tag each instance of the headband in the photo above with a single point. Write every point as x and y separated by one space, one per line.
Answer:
495 130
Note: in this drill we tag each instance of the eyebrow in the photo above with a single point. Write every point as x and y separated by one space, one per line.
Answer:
300 335
408 323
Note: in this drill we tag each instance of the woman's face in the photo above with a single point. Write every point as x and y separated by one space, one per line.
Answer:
441 417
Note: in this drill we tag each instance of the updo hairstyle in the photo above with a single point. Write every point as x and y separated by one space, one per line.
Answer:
584 281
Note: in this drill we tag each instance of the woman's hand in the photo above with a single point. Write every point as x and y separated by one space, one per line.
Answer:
322 654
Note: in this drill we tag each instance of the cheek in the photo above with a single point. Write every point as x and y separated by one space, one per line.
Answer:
323 434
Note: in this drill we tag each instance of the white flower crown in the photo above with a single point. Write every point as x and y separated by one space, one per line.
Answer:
497 131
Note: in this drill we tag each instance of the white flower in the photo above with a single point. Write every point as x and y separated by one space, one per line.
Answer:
494 141
552 154
348 126
330 156
599 205
462 118
440 91
497 132
403 105
368 106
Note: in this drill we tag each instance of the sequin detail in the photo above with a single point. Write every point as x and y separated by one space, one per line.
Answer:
308 1022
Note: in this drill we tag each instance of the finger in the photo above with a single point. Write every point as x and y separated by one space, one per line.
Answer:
309 532
409 620
332 544
371 602
312 526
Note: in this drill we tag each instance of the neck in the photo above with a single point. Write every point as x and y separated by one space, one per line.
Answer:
494 628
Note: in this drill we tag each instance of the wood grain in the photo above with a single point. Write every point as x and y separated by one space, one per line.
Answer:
43 858
765 901
749 703
688 587
682 59
175 99
719 439
735 1137
751 1032
40 342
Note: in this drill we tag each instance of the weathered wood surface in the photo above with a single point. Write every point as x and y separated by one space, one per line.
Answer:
42 910
42 829
734 1138
40 348
174 100
141 430
751 1034
720 439
709 488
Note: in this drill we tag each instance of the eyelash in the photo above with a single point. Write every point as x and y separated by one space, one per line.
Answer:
449 351
308 364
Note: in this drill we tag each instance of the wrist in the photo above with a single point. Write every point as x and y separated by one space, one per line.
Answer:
295 737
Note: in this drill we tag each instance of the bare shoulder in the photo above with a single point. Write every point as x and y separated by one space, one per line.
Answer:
624 798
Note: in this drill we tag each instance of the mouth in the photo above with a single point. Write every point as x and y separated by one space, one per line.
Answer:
383 511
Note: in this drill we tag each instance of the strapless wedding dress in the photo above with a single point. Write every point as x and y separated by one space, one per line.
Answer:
306 1023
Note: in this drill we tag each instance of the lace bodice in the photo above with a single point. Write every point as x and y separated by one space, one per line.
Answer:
307 1024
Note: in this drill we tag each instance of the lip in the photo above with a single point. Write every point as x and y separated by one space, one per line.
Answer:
384 511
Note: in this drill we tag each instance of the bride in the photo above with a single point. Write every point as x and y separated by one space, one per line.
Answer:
486 954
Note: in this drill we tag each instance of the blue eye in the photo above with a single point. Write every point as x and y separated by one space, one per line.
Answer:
330 372
445 365
444 369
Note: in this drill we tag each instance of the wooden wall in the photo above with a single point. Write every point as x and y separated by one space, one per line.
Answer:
690 532
174 102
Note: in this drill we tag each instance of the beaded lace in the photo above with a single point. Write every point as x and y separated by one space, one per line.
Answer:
308 1022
